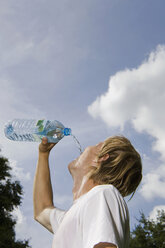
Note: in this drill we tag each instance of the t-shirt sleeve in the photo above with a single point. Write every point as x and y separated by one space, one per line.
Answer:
56 217
104 220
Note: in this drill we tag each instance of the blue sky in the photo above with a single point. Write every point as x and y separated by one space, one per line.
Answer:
96 66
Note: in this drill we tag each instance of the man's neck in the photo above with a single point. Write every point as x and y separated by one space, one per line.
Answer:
82 186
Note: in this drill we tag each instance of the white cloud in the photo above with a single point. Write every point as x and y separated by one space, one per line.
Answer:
20 219
18 172
138 96
21 227
154 212
28 229
153 185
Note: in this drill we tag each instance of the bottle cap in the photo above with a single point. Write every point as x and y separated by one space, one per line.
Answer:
67 131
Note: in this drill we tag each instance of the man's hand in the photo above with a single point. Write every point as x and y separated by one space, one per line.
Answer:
45 147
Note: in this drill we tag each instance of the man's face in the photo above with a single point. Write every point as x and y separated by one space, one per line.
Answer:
81 165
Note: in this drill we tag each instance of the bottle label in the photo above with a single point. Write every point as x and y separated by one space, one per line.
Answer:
40 125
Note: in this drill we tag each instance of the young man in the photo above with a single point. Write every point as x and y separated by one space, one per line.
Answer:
102 175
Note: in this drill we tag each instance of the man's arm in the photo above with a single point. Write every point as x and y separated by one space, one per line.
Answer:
42 190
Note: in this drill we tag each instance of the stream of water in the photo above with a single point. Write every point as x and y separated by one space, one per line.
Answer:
77 143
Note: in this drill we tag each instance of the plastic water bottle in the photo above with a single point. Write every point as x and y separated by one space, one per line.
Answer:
35 130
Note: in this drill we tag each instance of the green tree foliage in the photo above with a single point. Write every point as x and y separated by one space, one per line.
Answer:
149 233
10 197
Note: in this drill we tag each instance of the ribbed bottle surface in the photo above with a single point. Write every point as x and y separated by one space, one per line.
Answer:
35 130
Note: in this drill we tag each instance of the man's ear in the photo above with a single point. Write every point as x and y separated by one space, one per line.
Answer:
103 158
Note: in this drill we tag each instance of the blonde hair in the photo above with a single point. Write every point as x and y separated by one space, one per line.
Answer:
123 168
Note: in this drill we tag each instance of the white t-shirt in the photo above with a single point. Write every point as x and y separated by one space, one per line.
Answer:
100 215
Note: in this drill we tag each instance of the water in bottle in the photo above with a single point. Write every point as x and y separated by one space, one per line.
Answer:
35 130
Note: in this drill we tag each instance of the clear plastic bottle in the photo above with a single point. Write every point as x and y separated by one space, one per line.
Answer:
35 130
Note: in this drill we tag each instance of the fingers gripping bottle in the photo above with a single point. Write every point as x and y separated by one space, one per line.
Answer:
35 130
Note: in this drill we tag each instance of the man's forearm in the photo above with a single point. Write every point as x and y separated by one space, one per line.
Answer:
42 191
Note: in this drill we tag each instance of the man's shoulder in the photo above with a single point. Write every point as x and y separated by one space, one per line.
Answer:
101 195
105 192
107 196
